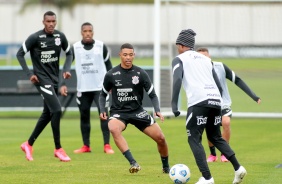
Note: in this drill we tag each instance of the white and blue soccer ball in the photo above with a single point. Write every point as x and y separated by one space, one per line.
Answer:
179 173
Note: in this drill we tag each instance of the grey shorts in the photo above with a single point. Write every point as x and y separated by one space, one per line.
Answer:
226 111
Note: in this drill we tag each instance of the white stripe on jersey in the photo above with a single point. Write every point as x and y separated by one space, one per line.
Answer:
150 90
233 77
174 68
68 48
24 48
107 57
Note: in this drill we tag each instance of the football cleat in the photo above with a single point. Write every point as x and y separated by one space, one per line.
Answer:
202 180
28 150
211 158
61 154
83 149
135 167
166 170
223 159
108 149
239 175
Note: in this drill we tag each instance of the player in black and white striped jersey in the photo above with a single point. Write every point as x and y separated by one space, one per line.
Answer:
223 73
202 87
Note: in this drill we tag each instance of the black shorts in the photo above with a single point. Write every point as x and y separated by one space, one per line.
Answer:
200 118
139 118
226 111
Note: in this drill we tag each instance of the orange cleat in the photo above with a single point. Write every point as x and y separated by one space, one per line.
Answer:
108 149
83 149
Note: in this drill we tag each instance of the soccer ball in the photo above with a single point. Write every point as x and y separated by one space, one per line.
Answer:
179 173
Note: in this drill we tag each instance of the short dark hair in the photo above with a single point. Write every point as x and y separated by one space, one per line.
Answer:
86 24
202 49
49 13
126 46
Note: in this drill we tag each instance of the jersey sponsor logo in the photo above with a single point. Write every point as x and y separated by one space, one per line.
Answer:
117 83
42 36
43 44
124 90
116 73
212 102
46 56
124 96
217 120
201 120
57 41
135 80
213 95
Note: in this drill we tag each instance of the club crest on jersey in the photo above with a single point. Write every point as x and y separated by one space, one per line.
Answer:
57 41
135 80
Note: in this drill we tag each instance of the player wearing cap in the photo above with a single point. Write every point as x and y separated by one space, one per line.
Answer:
203 92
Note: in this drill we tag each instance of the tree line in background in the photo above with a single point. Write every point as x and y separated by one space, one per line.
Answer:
70 4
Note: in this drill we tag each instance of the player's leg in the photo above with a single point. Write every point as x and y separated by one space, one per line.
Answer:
39 127
196 120
104 127
212 157
226 132
51 99
214 135
116 126
154 131
84 101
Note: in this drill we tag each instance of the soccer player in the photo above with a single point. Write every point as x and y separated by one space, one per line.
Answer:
127 83
201 85
223 73
45 47
92 61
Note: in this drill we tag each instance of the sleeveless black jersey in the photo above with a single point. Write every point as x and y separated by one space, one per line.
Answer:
127 87
45 50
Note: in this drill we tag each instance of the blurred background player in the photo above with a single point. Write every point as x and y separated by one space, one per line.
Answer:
92 61
223 73
127 83
45 48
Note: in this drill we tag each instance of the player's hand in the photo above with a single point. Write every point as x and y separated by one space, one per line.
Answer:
34 79
64 91
66 75
103 116
259 101
160 116
176 113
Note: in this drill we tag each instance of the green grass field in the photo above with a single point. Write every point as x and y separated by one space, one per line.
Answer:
257 143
